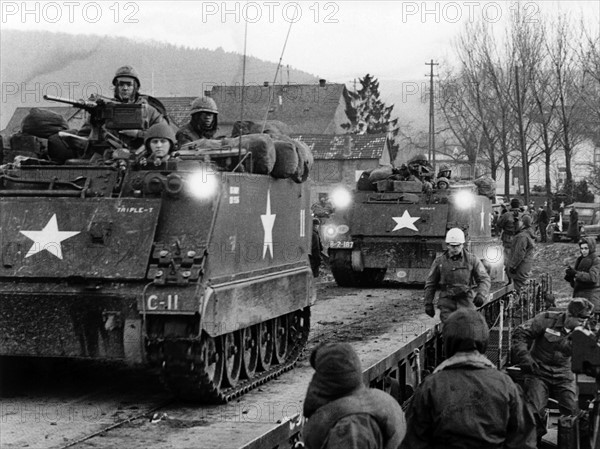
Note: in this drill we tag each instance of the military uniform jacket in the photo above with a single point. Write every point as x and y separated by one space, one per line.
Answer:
468 404
547 336
187 133
463 278
522 249
506 223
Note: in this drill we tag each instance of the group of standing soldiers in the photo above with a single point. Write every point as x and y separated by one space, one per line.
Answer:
541 348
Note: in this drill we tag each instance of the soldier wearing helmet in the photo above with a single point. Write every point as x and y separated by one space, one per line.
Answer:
159 143
445 171
542 348
467 402
459 277
203 122
126 84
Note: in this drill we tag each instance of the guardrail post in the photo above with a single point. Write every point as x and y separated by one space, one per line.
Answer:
500 333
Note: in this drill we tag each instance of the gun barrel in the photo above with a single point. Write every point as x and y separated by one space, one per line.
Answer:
80 103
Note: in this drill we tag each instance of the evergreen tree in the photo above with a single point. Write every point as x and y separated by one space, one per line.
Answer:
368 114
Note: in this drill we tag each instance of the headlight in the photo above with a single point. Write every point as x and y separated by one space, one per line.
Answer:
341 198
493 254
464 199
203 184
330 231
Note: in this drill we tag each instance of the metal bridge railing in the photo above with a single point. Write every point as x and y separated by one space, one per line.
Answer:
400 372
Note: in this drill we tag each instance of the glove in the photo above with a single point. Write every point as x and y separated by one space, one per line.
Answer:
478 300
570 272
512 270
429 310
529 366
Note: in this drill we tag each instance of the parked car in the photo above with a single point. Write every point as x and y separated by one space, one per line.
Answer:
589 221
590 225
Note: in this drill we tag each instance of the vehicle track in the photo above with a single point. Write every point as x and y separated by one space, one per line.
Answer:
362 317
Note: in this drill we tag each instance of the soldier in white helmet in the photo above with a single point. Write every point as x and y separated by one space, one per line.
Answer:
203 122
460 278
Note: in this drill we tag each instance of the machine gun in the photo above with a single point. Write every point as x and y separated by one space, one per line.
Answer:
107 115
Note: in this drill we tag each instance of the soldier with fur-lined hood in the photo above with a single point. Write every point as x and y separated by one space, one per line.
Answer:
584 276
342 412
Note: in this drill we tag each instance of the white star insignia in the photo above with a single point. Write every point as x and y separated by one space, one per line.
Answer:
48 239
268 220
405 221
482 218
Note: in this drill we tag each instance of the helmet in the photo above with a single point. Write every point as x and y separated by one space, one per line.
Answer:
204 104
465 330
418 158
162 130
129 71
445 167
515 203
455 236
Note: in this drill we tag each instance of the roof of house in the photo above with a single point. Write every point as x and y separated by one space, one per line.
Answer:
306 108
14 124
347 146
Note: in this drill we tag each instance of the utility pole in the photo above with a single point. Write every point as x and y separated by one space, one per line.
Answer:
431 154
288 74
152 82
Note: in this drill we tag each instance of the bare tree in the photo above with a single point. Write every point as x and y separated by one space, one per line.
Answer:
589 54
486 81
569 84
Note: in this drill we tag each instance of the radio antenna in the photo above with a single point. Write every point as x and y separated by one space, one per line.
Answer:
277 72
243 92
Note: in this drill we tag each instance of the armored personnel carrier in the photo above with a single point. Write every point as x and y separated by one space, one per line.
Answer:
396 228
189 266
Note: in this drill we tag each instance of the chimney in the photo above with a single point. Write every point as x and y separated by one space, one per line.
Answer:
322 82
207 93
266 83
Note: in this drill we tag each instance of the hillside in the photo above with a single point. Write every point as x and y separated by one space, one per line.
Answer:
37 63
40 62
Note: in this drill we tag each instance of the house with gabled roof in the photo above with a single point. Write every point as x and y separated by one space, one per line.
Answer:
305 108
341 159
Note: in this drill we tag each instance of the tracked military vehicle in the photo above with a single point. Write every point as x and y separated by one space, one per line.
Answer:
189 266
396 228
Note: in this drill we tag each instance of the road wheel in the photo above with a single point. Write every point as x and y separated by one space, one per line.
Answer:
281 334
265 345
232 357
249 351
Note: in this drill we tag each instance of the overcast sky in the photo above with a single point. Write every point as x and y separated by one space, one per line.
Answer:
338 40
